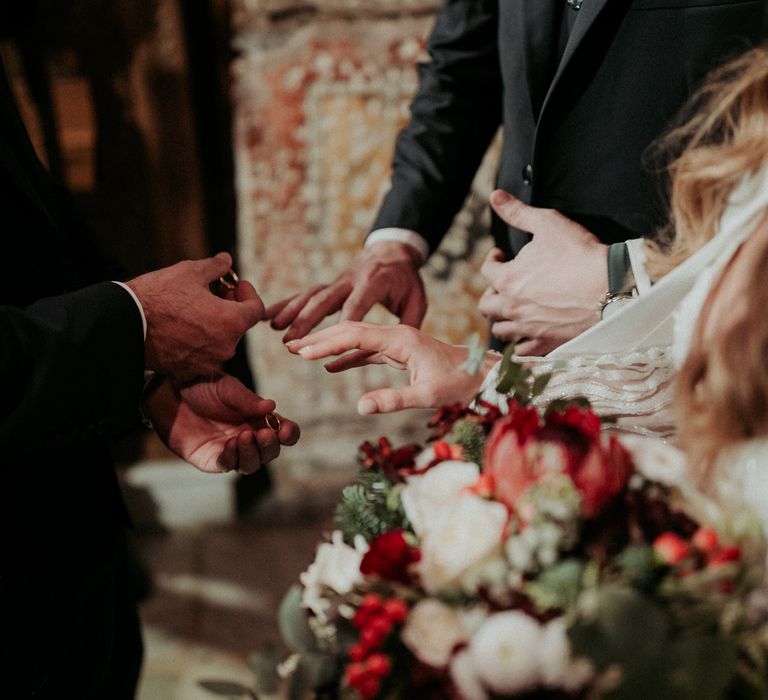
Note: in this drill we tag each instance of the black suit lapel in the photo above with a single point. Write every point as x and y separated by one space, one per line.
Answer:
541 21
588 15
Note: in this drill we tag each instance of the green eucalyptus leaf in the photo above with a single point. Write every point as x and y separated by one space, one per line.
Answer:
632 624
292 619
700 668
639 564
540 383
226 689
559 586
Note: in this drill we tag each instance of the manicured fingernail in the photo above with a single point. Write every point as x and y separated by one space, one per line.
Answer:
365 407
305 350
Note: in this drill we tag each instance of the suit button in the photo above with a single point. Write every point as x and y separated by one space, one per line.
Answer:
528 174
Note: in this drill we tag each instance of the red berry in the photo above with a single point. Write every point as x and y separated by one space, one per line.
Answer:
357 652
368 687
442 449
705 539
355 673
370 639
371 602
361 618
396 610
671 548
381 625
378 664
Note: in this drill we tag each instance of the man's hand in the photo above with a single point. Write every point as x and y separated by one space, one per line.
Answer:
218 425
387 272
191 331
552 290
436 374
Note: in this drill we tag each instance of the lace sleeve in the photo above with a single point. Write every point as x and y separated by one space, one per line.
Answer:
634 388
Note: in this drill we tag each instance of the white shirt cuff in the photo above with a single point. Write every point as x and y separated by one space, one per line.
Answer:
138 305
403 235
637 258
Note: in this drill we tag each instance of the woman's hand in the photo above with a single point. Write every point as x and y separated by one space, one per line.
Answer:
437 377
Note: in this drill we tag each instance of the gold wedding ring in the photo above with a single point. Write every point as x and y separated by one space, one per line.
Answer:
230 280
272 421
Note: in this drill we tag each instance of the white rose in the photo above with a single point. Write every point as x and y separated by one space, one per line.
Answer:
432 631
464 677
427 494
464 533
336 566
657 460
505 652
558 667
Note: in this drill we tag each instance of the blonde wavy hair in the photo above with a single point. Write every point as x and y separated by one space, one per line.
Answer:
724 139
722 388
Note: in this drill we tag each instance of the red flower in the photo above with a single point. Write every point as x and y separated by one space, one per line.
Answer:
395 464
671 548
390 557
505 462
570 441
601 474
582 419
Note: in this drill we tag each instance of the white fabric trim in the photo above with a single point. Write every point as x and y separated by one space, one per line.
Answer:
138 304
637 259
403 235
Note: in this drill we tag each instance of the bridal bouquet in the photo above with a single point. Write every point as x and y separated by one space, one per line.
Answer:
523 555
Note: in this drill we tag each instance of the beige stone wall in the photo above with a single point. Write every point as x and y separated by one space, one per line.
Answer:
321 90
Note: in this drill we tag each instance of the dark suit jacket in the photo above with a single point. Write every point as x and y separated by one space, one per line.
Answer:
71 362
574 129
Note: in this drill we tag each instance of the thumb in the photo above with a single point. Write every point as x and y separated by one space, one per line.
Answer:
517 213
246 292
391 400
211 269
236 396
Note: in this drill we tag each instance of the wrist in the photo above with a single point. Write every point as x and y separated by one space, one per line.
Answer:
395 251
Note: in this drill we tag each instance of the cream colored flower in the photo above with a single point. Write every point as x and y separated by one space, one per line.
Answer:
558 667
432 631
505 652
425 496
465 677
336 566
464 533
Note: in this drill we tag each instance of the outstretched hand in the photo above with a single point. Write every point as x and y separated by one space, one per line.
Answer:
218 425
552 290
191 331
436 375
386 273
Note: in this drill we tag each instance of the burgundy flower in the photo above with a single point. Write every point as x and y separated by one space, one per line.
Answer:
602 474
390 557
394 463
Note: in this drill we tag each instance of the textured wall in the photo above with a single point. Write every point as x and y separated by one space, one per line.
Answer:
321 92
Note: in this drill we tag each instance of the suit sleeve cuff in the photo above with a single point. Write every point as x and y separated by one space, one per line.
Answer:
138 305
637 258
402 235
